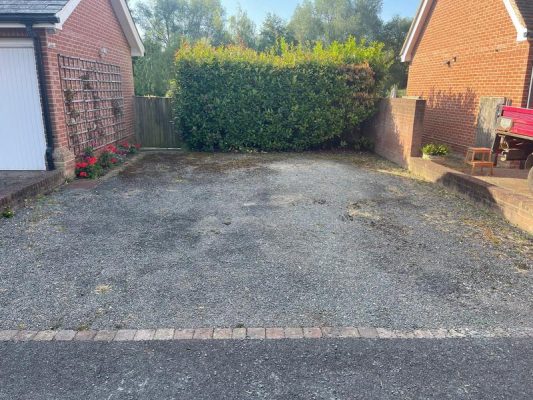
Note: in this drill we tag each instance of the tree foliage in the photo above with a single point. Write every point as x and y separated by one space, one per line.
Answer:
273 29
393 34
336 20
242 30
234 98
165 24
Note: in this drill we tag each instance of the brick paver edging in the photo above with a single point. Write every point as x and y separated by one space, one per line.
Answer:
287 333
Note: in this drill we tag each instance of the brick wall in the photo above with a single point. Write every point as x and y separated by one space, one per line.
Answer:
486 60
91 27
397 129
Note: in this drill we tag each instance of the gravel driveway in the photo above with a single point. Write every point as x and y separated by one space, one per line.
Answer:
201 240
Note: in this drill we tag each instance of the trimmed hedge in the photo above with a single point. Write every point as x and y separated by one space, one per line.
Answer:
291 99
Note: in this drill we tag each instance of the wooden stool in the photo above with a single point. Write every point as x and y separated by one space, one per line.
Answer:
484 161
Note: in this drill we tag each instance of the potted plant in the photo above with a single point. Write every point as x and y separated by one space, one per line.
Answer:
435 152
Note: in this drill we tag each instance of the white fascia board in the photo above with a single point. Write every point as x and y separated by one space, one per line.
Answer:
521 30
65 12
128 27
416 29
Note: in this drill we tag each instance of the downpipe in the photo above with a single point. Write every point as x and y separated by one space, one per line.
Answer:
44 97
530 90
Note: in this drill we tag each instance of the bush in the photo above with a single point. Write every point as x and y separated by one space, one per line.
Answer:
433 149
364 144
288 99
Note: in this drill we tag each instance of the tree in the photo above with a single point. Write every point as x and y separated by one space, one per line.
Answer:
153 71
159 19
368 22
273 28
166 23
203 19
393 34
336 20
242 29
305 24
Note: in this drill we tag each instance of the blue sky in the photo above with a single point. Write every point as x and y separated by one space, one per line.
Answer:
257 9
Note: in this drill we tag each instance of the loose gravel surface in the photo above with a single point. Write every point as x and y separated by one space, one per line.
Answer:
203 240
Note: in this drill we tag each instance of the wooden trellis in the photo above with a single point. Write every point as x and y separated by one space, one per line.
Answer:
94 103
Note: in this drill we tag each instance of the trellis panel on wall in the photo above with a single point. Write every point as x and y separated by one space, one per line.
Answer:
94 103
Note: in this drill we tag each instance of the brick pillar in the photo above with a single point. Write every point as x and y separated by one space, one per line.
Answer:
65 161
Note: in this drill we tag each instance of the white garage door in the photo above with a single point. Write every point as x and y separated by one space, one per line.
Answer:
22 139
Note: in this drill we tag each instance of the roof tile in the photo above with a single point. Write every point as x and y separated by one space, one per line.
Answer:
45 7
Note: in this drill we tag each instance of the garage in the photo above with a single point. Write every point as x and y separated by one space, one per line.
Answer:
21 129
65 65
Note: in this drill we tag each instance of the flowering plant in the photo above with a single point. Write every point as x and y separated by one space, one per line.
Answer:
88 168
110 157
91 167
128 148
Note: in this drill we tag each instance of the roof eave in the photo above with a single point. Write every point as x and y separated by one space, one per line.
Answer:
414 32
523 34
25 19
521 30
129 28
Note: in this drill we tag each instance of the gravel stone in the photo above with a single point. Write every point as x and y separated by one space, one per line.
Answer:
316 239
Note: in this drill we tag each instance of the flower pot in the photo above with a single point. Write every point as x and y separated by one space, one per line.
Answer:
432 158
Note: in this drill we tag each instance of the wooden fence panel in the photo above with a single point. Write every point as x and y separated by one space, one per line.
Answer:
154 125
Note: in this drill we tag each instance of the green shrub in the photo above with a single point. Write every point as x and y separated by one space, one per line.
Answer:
364 144
234 98
433 149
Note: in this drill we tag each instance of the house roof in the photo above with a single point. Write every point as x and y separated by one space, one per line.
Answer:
520 11
54 13
36 7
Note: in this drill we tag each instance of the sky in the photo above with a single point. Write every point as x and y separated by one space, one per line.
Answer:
257 9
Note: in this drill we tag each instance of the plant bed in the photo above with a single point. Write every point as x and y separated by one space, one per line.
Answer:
90 166
435 152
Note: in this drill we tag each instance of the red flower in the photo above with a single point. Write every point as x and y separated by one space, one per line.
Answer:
138 146
82 165
126 145
92 160
114 160
83 174
111 149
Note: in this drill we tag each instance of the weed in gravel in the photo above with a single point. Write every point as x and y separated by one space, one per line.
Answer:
8 213
82 327
102 289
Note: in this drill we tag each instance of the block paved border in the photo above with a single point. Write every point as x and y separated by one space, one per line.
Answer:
270 333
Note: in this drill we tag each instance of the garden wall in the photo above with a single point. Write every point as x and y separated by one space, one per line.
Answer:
396 129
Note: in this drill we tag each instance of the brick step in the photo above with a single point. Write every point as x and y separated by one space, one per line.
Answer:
18 186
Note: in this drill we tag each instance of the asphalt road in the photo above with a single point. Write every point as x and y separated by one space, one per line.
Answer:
302 369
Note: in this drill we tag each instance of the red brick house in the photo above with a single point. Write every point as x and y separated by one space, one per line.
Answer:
463 51
66 80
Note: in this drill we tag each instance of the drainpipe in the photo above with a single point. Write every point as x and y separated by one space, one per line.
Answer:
530 89
44 97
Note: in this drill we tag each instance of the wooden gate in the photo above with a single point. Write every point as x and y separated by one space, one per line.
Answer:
154 123
487 119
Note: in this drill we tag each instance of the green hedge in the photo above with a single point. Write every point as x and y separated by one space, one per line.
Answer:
289 99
